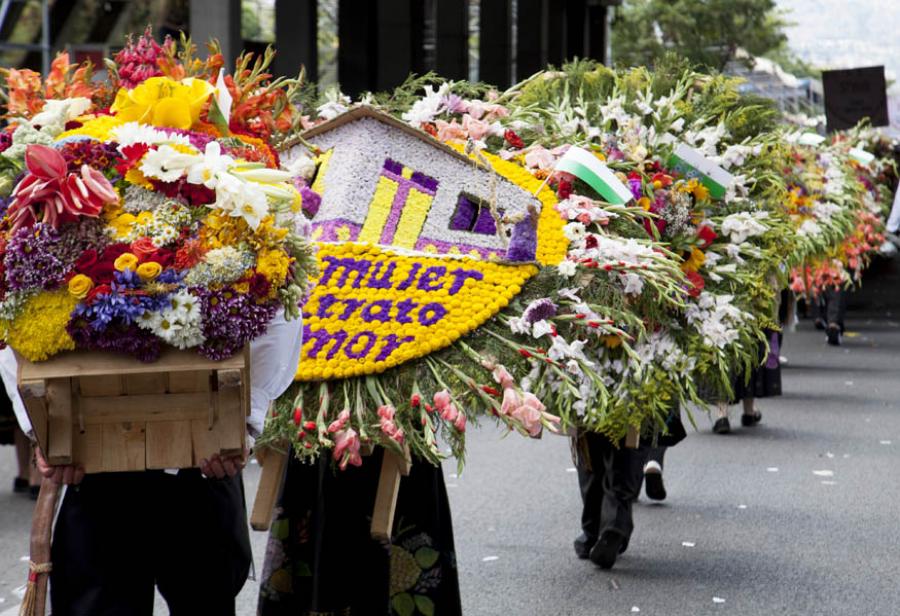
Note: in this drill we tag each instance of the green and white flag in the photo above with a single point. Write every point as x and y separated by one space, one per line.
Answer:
691 163
591 170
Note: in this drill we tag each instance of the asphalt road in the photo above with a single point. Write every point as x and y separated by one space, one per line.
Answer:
799 516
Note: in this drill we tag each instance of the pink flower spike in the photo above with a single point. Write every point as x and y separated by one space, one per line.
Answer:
531 400
510 402
442 399
460 423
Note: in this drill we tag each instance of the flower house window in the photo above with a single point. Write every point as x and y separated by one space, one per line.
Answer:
473 215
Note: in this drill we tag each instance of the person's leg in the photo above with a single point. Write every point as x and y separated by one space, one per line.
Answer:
621 485
653 473
835 310
23 456
589 465
203 555
750 416
722 425
100 548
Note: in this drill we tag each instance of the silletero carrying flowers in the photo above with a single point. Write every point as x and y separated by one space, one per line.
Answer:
134 215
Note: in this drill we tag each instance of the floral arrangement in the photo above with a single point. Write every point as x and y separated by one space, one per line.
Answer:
135 215
624 309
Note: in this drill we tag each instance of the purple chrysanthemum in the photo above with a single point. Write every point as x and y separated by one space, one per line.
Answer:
40 257
120 338
539 310
230 320
523 243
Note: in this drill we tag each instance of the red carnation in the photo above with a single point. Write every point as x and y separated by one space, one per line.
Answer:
513 139
706 236
696 283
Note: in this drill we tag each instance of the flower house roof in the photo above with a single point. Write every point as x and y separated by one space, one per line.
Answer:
366 111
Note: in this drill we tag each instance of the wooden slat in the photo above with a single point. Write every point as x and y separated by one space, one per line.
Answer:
59 436
87 448
148 383
188 382
106 385
273 465
386 498
37 414
169 444
97 363
124 447
230 427
147 407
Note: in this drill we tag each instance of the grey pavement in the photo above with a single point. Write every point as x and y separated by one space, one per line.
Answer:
798 516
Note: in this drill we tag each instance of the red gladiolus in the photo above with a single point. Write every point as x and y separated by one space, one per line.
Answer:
415 401
50 194
298 416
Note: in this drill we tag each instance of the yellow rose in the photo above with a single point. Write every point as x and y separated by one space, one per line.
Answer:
80 285
147 271
126 261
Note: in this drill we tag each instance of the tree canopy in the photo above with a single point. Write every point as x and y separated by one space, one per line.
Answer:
706 32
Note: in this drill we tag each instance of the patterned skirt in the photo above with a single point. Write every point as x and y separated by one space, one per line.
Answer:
322 561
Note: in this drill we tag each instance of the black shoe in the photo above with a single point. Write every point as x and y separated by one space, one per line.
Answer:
833 335
654 486
722 426
751 420
820 324
583 545
607 549
20 486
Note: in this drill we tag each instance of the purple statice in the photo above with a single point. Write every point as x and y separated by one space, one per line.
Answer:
485 225
118 337
539 310
230 320
464 216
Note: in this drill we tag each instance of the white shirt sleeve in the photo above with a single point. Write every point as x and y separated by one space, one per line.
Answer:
9 372
273 364
893 223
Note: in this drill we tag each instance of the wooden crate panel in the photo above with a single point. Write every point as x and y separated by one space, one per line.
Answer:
169 444
124 447
148 383
108 385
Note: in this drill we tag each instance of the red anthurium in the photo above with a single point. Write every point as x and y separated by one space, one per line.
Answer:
54 196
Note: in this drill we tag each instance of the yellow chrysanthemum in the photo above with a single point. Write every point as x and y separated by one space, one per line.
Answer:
273 264
98 128
162 101
694 261
39 331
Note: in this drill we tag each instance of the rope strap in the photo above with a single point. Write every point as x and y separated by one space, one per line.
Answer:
29 601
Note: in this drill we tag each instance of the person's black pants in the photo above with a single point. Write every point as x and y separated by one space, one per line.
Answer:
832 306
120 534
610 480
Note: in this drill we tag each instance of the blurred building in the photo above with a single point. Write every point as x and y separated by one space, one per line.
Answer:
363 44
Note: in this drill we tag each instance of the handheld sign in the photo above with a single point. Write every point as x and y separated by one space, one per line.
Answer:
691 163
853 95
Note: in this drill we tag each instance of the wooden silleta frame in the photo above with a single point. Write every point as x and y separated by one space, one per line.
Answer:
110 413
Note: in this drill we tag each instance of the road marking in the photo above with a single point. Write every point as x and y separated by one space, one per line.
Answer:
824 473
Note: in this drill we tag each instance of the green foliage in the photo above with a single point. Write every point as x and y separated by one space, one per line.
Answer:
707 33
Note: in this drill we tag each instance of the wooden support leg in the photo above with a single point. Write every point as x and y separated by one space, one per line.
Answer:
393 467
59 403
35 601
632 438
273 464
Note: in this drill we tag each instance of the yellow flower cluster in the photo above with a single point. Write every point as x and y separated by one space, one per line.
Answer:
552 243
39 330
162 101
372 309
274 264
